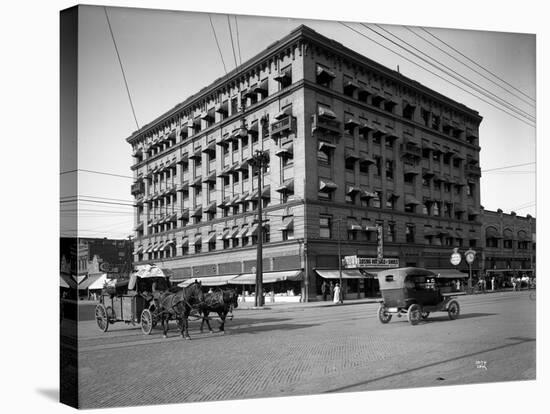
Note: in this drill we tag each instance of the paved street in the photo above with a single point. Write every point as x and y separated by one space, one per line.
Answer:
307 349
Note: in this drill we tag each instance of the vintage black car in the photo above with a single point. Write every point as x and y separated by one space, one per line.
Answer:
415 292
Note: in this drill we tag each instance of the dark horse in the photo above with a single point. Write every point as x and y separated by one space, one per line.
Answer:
178 306
221 301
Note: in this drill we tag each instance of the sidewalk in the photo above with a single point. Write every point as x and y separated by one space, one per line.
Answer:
301 305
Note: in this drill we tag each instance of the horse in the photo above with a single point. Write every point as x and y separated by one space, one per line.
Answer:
178 306
220 301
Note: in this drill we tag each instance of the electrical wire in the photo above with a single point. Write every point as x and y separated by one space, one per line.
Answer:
121 68
217 43
470 67
435 74
238 40
477 64
231 36
508 166
95 172
452 73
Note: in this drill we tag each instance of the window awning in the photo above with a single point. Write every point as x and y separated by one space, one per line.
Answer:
508 234
224 203
321 71
197 182
284 113
335 274
266 192
233 233
211 237
184 242
211 178
326 113
197 154
243 166
233 201
427 145
157 246
91 280
211 208
353 225
473 212
367 159
327 186
459 208
410 200
184 215
183 186
349 154
268 277
352 122
224 235
493 233
282 75
242 198
286 150
287 187
209 280
411 171
242 232
253 129
197 212
368 194
198 239
253 231
222 107
353 189
139 227
288 223
326 145
149 248
366 126
429 232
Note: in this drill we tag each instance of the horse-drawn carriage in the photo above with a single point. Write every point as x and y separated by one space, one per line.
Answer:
148 298
132 300
416 292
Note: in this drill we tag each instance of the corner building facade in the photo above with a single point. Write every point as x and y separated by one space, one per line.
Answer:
352 145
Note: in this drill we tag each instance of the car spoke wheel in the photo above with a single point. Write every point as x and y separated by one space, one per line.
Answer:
101 317
383 314
453 309
146 321
414 314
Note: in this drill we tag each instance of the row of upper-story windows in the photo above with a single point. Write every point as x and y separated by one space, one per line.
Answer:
437 120
220 109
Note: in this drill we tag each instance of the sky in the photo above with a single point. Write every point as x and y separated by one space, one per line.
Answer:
169 55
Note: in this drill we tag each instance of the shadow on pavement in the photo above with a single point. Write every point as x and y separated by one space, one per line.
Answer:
271 327
445 317
518 341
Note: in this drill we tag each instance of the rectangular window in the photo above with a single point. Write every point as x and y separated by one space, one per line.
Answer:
470 189
389 169
436 211
325 227
285 79
391 232
212 244
376 199
378 163
409 233
234 105
198 248
324 155
324 76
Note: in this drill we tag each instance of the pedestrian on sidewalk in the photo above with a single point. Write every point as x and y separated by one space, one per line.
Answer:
336 297
514 283
493 283
324 290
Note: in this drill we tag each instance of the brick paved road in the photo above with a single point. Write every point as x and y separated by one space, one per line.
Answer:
298 351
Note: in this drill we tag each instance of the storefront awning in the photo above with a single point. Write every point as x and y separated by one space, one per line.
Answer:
335 274
449 273
91 281
268 277
209 281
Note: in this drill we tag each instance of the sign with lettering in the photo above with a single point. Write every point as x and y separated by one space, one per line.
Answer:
367 262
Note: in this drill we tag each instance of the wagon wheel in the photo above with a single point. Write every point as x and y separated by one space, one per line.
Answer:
453 309
147 321
414 314
101 317
383 314
425 315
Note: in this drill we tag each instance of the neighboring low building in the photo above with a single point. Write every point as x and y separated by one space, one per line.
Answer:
508 244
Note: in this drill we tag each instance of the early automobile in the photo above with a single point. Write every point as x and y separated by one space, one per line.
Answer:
132 300
416 292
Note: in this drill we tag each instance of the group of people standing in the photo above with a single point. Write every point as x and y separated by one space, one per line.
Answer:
334 290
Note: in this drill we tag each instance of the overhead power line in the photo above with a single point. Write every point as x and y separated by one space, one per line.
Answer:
231 36
121 68
217 43
96 172
437 75
477 64
499 84
238 40
508 166
451 72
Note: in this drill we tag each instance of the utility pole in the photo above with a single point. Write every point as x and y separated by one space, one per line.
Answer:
259 159
341 293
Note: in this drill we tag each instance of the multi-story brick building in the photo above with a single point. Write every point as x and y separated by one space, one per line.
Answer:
508 244
352 145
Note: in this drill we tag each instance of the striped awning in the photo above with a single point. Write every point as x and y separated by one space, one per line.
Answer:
335 274
268 277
